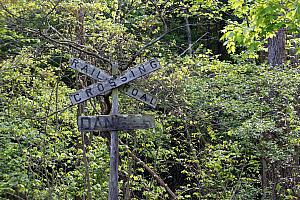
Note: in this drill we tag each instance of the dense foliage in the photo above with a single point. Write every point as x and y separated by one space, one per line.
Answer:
227 124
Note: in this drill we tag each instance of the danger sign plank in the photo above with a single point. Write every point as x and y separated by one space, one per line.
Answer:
115 122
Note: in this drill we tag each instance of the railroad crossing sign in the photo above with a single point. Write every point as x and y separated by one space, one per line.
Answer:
103 86
107 82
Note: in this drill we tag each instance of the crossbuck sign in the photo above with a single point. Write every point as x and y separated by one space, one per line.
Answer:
104 85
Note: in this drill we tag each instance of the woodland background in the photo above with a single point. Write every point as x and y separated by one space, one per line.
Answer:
227 122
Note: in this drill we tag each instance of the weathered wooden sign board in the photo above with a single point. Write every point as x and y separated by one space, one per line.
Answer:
101 88
139 95
89 70
115 122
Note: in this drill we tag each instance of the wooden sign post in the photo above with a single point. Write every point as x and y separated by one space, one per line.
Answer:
114 146
114 122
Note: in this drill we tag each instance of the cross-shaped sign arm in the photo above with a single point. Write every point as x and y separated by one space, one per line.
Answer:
108 82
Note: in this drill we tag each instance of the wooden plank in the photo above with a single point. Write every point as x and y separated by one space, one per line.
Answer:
139 95
103 87
89 70
138 71
115 122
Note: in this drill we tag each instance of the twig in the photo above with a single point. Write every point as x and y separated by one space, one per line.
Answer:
87 181
136 54
68 43
193 44
54 7
16 196
236 187
58 111
4 8
160 15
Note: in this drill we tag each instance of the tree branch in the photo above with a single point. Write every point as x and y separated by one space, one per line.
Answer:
137 53
157 178
68 43
193 44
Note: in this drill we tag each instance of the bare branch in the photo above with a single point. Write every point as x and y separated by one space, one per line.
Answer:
137 53
155 176
70 44
54 7
6 10
193 44
53 113
160 13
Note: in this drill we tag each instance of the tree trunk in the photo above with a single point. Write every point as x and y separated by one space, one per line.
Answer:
189 35
275 179
264 178
81 81
276 49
